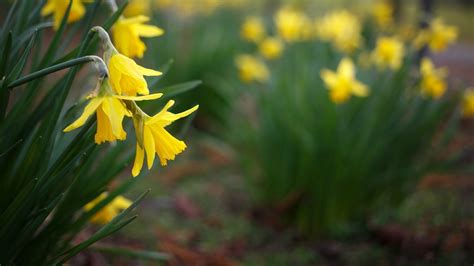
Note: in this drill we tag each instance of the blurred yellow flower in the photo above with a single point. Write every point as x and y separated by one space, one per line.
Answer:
110 111
156 139
342 29
468 103
432 80
389 52
107 213
438 36
383 14
252 69
292 25
271 48
137 7
253 29
58 9
127 33
343 83
126 76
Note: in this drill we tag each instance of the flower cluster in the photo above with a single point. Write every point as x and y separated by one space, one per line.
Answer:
122 84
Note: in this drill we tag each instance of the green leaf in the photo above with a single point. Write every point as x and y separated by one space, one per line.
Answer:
178 89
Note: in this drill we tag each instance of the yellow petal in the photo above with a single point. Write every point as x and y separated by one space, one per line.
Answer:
167 118
138 164
140 98
360 89
149 143
329 77
88 111
148 30
346 68
167 146
148 72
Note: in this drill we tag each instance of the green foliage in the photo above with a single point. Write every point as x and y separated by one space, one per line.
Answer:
334 165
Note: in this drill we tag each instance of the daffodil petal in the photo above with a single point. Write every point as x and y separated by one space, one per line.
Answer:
140 98
329 77
360 89
346 68
148 30
88 111
148 72
138 164
149 143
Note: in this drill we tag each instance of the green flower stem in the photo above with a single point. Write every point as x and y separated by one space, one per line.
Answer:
121 251
46 71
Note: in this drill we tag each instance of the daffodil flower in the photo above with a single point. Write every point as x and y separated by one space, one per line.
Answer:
126 76
343 83
252 29
58 9
271 48
252 69
468 103
156 139
342 29
127 32
292 25
107 213
432 82
110 111
438 36
389 52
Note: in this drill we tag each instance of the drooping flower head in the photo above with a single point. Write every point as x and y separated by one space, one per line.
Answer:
342 29
383 14
271 48
153 138
468 103
110 110
252 29
137 7
58 9
343 83
127 33
252 69
292 25
389 52
437 36
107 213
432 79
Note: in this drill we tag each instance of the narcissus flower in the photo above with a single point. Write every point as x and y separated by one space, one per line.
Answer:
468 103
58 9
383 14
432 79
252 29
342 29
137 7
343 83
110 111
126 76
389 52
127 32
292 25
153 138
107 213
252 69
438 36
271 48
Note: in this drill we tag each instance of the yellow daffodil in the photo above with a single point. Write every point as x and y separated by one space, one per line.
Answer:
137 7
389 52
156 139
438 36
343 83
271 48
468 103
342 29
58 9
107 213
126 76
383 14
252 69
252 29
110 111
127 32
432 80
292 25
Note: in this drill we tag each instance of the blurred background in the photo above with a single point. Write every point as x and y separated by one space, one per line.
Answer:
279 173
